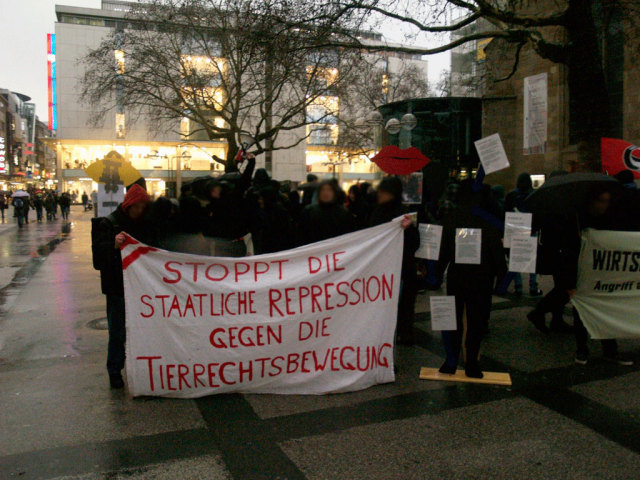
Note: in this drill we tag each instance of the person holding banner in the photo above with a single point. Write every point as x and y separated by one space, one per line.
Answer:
597 215
129 217
389 206
470 282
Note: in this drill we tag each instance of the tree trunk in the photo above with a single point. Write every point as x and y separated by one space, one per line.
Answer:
590 116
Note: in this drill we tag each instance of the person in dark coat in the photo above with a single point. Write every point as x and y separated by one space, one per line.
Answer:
515 202
276 231
471 284
309 189
228 217
358 207
597 214
389 206
129 217
325 219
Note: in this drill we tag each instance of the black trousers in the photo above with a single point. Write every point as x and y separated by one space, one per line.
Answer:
478 309
609 346
117 333
406 308
554 301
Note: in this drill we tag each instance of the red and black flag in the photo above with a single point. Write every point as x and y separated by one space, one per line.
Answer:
618 155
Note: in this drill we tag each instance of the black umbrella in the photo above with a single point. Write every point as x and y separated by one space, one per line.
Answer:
568 193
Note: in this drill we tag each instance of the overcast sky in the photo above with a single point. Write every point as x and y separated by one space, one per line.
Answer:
24 25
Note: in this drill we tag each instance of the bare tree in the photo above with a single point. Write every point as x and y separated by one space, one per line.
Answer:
568 32
216 69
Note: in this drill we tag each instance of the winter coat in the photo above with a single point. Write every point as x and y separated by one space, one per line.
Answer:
387 212
470 212
110 258
324 220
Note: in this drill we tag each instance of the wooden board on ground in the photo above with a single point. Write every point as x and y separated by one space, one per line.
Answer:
492 378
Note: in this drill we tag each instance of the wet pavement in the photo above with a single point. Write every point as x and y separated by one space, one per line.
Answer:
58 418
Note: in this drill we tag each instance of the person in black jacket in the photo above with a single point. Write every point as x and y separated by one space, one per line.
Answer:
389 206
228 217
471 284
129 217
358 207
326 219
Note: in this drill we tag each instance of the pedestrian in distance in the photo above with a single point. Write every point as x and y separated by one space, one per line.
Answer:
85 200
18 210
3 205
65 205
129 217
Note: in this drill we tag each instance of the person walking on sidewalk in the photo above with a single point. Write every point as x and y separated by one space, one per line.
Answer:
65 205
3 205
85 200
129 217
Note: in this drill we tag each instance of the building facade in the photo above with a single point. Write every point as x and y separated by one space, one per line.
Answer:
533 111
155 155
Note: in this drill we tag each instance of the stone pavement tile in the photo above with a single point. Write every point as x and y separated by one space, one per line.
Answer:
514 341
504 439
410 359
210 467
619 393
69 403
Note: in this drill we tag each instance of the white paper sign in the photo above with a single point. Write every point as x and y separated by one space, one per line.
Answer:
443 313
108 201
516 223
468 245
522 257
491 153
535 114
430 239
316 319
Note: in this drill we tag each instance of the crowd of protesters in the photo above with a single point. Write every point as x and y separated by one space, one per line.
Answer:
218 216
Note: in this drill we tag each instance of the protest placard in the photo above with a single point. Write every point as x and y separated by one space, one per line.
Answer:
468 245
523 254
443 312
516 223
430 240
491 153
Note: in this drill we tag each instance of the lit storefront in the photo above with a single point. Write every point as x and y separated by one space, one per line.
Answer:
157 162
349 168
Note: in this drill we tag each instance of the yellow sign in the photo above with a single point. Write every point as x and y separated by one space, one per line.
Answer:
113 170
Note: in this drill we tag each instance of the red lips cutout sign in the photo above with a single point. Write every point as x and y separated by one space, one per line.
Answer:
396 161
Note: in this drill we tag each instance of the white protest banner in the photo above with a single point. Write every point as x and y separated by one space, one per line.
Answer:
523 254
430 239
443 313
468 245
312 320
491 153
608 291
516 223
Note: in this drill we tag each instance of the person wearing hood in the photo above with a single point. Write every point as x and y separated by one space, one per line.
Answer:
129 217
389 206
325 219
515 202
